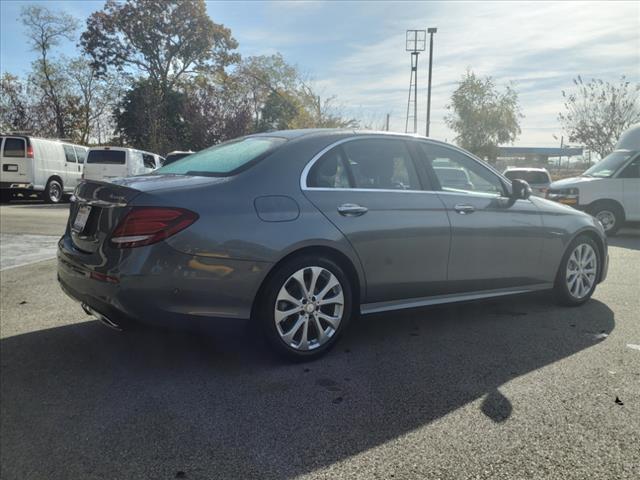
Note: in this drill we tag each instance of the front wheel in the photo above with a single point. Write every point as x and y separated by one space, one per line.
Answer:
578 272
609 215
307 304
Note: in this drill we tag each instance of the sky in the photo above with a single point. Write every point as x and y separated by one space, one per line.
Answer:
356 50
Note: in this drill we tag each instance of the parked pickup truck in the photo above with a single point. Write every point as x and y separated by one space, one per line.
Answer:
609 190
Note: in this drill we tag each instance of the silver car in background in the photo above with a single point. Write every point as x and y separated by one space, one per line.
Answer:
298 231
537 178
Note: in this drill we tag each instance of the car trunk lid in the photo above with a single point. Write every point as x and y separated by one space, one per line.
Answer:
98 207
96 210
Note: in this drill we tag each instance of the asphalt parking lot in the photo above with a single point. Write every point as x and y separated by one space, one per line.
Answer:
513 388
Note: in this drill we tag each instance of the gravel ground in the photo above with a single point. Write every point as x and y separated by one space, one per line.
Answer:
513 388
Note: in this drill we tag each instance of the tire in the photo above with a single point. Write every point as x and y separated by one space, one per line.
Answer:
53 193
6 195
283 292
610 215
583 257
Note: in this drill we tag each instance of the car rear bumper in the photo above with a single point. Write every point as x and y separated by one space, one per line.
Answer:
16 186
161 286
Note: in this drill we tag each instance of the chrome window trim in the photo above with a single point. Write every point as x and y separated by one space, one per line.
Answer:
317 156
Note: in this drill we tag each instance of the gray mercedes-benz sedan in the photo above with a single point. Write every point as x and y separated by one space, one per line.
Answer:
299 231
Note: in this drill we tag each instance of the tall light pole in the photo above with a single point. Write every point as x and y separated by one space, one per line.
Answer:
431 31
415 43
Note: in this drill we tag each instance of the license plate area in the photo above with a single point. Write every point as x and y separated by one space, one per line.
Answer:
81 218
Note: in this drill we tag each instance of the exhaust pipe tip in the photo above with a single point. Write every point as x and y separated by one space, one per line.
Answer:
101 318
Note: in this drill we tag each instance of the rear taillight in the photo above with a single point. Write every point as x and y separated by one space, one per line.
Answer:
29 151
147 225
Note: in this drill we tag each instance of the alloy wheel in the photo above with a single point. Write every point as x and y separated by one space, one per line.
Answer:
309 308
582 267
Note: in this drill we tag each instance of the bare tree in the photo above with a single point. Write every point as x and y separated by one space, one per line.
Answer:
97 98
597 112
45 29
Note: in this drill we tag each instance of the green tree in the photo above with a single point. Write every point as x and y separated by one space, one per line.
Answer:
140 120
215 111
263 76
15 111
597 112
482 116
45 29
164 40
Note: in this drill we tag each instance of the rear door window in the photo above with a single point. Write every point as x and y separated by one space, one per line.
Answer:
14 148
81 154
69 153
330 171
383 164
110 157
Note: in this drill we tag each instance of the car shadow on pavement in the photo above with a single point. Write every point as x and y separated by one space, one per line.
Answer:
629 239
81 401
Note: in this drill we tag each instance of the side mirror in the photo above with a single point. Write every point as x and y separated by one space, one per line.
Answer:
520 189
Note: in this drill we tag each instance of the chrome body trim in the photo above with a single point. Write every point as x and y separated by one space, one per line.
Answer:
317 156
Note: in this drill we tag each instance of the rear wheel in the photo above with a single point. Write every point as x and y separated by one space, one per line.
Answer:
6 195
53 193
610 215
578 273
306 306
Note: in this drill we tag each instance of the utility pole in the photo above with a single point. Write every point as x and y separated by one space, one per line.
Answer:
387 123
431 32
415 43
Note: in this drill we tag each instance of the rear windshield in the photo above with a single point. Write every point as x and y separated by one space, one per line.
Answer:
14 147
113 157
223 159
529 177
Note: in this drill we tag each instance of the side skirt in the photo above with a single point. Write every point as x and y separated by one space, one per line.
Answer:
367 308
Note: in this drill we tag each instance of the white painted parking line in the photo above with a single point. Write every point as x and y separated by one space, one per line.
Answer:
18 250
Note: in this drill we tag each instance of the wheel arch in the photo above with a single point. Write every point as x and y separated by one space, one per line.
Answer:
590 208
332 253
57 178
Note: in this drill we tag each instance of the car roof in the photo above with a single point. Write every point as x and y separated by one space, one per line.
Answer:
302 132
122 149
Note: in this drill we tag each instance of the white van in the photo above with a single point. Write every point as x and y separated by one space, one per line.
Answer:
34 165
610 190
105 163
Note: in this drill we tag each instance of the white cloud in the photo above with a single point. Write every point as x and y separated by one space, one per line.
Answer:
539 46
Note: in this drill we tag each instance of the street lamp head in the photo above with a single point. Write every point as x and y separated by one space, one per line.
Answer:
432 30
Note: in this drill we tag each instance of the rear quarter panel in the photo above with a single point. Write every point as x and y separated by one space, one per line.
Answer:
229 225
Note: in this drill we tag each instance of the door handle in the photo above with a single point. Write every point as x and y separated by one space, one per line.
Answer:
352 210
464 209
